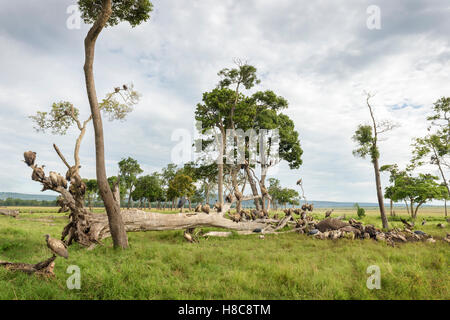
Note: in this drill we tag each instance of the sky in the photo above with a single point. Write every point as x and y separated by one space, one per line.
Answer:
319 55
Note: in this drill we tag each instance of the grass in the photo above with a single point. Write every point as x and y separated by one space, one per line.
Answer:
161 265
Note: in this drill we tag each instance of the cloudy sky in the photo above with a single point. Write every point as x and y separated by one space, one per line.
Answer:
319 55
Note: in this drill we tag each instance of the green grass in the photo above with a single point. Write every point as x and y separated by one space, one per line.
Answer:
161 265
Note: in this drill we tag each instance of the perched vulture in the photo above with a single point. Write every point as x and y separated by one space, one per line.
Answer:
29 157
206 208
238 195
424 222
38 174
125 87
218 207
116 90
198 208
236 217
328 213
57 247
229 198
298 211
275 216
53 178
299 182
62 182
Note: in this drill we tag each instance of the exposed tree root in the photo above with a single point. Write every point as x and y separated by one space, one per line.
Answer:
44 268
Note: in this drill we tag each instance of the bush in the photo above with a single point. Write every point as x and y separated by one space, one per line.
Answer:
360 211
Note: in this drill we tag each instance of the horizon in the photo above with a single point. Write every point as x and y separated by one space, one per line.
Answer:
405 63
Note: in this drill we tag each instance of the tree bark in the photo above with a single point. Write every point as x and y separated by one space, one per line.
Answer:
138 221
116 226
380 194
253 187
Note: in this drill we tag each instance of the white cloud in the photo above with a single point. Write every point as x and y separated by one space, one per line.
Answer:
318 55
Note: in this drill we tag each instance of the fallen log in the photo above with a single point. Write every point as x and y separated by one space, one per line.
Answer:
44 268
10 213
138 221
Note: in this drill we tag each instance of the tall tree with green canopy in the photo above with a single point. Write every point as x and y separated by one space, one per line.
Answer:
104 13
367 138
168 173
417 190
227 108
435 147
129 170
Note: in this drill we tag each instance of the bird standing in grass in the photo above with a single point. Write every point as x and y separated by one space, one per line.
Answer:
58 247
328 213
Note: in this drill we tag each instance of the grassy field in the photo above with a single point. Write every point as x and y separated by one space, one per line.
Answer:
161 265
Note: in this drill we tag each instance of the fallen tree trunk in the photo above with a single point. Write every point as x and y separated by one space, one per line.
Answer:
10 213
42 268
137 221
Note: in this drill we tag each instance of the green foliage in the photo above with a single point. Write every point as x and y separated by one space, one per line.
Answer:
129 170
148 187
417 190
282 195
226 105
367 143
361 212
181 185
133 11
63 114
61 117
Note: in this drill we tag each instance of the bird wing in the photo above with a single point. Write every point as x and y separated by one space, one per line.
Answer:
58 247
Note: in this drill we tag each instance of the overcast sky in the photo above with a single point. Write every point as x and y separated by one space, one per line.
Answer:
319 55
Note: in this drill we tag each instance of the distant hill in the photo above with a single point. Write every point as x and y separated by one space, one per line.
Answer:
23 196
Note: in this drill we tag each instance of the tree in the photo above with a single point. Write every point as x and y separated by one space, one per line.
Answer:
435 147
91 191
129 170
168 173
417 190
59 119
367 138
103 13
149 188
227 108
181 185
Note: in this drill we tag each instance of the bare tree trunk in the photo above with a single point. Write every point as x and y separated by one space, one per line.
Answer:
380 194
253 187
116 225
445 207
407 207
392 209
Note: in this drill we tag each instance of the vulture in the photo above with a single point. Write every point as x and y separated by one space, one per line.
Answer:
238 195
236 217
54 178
38 174
57 247
328 213
116 90
299 182
407 224
62 182
424 222
188 236
276 217
198 208
218 207
206 208
125 87
29 157
229 198
298 211
303 215
264 191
